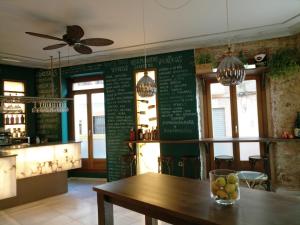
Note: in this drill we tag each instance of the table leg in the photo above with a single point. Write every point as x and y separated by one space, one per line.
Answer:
208 162
150 221
267 169
105 211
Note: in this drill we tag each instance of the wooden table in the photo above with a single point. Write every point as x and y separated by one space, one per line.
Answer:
184 201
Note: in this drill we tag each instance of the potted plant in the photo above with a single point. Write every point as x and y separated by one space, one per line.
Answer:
204 63
284 62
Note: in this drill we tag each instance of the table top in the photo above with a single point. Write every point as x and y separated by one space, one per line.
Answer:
187 201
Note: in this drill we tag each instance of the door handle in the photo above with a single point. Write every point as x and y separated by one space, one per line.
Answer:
236 129
90 132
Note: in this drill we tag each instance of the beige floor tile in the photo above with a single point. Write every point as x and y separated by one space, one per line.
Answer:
77 207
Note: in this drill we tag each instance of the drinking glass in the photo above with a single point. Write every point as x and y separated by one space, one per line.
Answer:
224 186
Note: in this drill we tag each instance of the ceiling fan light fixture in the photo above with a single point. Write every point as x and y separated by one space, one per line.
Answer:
73 39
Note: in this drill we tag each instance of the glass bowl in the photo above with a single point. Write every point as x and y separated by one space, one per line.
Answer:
224 186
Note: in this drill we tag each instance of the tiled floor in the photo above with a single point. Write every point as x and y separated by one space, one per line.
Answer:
77 207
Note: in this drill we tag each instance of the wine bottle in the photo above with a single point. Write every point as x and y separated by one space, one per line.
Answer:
144 101
6 119
17 119
22 119
142 112
12 120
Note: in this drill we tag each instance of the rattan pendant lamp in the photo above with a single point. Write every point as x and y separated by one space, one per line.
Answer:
231 70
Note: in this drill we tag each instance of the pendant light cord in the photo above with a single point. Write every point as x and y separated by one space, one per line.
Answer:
227 27
52 77
144 33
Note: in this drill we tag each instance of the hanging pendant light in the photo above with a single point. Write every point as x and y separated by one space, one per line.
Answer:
231 70
146 86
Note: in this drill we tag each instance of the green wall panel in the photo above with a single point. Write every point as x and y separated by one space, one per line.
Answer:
176 95
26 75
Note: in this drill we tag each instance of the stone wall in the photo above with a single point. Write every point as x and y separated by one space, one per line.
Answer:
283 102
250 49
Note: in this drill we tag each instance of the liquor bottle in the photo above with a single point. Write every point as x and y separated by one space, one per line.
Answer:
297 126
142 112
144 101
156 133
132 135
22 119
140 134
6 119
12 120
17 119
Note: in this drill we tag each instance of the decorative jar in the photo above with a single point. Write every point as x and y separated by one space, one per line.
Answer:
224 186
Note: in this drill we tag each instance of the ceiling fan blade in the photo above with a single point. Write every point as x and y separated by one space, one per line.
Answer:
75 32
96 41
44 36
82 49
50 47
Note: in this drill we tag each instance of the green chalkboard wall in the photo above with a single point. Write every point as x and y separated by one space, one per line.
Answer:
177 105
176 96
26 75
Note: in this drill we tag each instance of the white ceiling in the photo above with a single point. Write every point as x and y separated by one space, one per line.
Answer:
170 25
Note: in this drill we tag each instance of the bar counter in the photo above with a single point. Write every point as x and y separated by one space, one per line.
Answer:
38 159
36 171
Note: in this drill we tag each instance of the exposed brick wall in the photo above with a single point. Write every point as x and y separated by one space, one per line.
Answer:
283 102
253 48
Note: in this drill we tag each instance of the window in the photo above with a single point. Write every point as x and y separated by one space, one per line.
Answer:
235 111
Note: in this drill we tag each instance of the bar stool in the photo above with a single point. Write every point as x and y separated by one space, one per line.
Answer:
165 161
128 165
227 159
192 162
253 159
254 179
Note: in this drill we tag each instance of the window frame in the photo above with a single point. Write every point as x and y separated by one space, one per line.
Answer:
259 77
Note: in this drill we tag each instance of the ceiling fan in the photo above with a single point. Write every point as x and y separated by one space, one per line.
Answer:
72 38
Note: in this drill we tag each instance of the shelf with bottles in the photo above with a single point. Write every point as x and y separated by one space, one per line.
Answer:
13 119
146 112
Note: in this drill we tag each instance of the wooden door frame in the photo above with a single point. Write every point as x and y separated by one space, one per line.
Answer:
261 108
89 165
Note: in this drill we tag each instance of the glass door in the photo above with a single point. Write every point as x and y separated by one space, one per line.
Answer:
234 112
88 123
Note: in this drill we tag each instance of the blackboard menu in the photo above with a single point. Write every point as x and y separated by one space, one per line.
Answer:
177 96
119 113
177 105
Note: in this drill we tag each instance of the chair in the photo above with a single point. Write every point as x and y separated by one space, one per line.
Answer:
253 179
128 165
221 159
253 159
166 162
190 163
